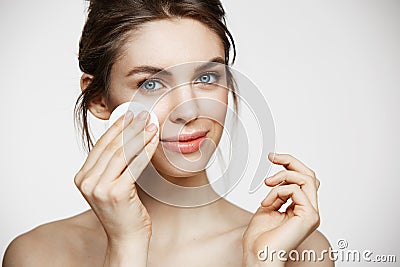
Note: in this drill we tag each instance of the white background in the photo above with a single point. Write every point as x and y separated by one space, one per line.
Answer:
330 71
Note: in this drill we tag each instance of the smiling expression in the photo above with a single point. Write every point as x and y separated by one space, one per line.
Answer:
177 67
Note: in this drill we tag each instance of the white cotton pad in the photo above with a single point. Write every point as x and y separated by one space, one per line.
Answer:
136 108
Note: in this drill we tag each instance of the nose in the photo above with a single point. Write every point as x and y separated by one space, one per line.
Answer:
185 105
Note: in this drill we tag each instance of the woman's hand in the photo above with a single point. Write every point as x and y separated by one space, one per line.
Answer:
275 230
107 182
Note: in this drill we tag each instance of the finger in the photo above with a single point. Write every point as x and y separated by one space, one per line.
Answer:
307 183
318 182
120 124
303 218
124 155
290 209
136 127
136 144
290 163
136 167
277 203
284 192
117 144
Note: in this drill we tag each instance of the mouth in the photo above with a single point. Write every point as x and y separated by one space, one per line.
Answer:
185 143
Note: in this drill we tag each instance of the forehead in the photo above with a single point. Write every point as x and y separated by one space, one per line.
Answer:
166 43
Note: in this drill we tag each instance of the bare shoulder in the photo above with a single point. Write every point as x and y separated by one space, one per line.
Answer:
237 216
243 216
51 244
316 247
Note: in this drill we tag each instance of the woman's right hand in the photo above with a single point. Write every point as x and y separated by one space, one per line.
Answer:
107 178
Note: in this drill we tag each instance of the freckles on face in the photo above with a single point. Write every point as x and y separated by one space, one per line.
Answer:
145 73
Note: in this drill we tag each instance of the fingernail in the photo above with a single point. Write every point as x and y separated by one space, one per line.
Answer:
128 114
273 155
154 140
152 127
142 115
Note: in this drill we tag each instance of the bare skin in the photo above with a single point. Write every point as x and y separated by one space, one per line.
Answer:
81 241
130 228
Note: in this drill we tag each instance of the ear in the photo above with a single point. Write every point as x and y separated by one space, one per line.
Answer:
98 106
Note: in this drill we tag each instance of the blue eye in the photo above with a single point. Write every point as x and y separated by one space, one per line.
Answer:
207 78
151 85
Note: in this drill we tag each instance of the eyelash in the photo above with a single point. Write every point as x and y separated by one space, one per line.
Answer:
141 82
216 74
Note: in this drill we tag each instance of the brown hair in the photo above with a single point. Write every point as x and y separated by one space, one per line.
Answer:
109 24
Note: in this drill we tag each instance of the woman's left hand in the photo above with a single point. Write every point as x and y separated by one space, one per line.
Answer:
275 230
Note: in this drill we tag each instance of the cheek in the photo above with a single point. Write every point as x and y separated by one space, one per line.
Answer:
211 105
212 112
214 106
162 110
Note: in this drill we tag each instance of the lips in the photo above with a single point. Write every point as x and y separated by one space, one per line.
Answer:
185 143
185 137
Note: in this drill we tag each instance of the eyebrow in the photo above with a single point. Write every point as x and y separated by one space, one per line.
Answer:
154 70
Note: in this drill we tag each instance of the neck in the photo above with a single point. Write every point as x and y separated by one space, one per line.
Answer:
181 221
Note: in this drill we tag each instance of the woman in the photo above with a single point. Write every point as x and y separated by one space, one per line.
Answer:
124 45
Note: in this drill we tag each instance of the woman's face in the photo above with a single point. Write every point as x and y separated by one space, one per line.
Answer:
189 104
